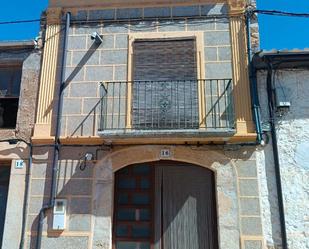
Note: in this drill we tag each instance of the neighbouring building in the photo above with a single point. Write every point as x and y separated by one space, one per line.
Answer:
147 130
282 83
19 81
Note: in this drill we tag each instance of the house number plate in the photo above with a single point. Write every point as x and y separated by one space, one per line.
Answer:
19 164
165 153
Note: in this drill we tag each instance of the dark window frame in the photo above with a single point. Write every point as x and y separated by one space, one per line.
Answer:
9 99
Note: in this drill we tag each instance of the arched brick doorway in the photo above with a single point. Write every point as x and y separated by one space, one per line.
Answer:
225 187
164 205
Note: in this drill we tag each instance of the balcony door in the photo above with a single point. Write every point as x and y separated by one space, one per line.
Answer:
165 86
164 205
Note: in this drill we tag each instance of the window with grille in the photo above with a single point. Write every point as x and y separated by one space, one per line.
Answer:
10 77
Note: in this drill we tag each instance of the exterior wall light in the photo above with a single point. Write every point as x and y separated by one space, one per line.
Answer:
98 39
88 157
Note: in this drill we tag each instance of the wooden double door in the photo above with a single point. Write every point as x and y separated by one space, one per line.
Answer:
164 205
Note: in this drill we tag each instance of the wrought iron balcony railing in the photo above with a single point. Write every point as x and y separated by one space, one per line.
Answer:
167 105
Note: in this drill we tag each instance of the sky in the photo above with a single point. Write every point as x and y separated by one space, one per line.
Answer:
284 32
12 10
275 32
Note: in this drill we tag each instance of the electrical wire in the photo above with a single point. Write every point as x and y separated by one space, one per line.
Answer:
263 12
16 51
22 21
281 13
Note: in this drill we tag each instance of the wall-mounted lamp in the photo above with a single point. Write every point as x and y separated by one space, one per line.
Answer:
98 39
87 157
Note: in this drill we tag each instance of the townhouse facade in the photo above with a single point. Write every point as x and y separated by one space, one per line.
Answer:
138 101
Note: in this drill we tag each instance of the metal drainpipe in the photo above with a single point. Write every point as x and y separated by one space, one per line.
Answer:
276 155
25 206
57 135
253 83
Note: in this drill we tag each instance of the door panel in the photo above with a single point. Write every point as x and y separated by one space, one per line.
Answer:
133 207
186 217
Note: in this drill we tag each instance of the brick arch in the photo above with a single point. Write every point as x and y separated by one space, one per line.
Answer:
226 182
150 153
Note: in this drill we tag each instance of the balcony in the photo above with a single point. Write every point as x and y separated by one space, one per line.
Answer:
182 108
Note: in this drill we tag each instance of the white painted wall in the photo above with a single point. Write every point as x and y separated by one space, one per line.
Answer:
293 142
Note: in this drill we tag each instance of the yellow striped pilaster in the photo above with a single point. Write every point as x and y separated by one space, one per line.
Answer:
242 98
42 129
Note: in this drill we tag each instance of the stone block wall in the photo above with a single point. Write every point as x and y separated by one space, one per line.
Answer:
89 193
74 185
89 64
249 195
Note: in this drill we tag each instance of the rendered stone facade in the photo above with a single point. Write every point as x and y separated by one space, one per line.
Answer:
292 132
